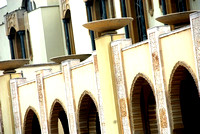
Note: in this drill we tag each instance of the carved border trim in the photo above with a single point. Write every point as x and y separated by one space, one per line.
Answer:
66 65
15 103
153 35
42 105
100 101
195 29
120 83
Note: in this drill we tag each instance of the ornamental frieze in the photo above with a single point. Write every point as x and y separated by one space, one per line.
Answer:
14 20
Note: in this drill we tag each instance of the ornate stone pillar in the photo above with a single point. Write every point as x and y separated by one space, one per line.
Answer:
195 29
66 67
11 47
42 100
15 103
100 102
162 110
120 83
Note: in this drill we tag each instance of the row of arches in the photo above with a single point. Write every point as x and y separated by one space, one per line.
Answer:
88 118
183 103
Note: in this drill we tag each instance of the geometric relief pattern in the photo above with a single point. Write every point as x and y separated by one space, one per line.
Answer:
195 28
120 83
158 76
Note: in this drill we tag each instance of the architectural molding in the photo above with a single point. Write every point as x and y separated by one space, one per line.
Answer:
153 35
15 103
42 99
100 101
66 68
195 29
120 83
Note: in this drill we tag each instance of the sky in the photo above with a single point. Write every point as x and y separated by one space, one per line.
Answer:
3 3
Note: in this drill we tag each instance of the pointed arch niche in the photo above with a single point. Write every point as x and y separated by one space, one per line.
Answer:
184 101
88 116
58 119
143 107
31 122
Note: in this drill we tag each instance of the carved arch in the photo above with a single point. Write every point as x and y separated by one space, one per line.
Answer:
143 106
30 115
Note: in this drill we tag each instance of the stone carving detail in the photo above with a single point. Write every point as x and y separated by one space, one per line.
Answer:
64 7
123 108
43 118
69 94
11 20
120 83
15 20
158 77
163 118
195 28
100 101
15 103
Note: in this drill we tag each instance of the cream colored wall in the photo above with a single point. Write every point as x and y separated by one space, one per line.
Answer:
55 89
137 60
4 44
28 96
83 79
81 34
6 103
37 36
177 47
29 71
157 13
52 32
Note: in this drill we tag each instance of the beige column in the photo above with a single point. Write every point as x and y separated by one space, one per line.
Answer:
120 83
66 67
159 85
42 100
195 29
107 83
15 103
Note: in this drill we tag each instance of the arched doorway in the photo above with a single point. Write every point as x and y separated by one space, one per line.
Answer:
184 102
32 125
59 122
143 106
88 116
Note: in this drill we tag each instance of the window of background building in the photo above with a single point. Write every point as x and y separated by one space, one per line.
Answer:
137 10
69 33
